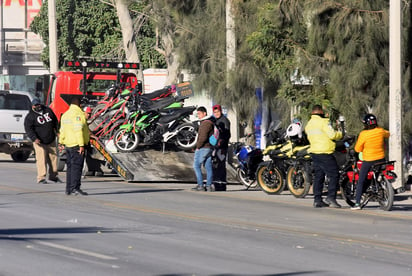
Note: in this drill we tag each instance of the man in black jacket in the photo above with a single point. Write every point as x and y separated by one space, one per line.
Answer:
41 126
219 164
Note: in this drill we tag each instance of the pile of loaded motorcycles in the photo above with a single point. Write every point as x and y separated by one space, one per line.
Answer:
132 119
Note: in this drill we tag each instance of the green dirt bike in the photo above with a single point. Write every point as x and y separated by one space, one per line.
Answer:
154 126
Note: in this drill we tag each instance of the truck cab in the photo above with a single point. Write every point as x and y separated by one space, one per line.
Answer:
90 80
90 84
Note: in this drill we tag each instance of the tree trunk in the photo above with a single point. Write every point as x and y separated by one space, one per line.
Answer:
129 38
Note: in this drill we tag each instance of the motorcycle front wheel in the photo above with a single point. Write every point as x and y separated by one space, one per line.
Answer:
298 181
125 141
270 178
385 194
245 180
186 137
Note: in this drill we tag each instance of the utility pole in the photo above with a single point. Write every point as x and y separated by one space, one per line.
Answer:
231 63
54 64
395 89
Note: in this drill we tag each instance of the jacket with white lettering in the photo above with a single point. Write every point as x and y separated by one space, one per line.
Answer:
41 125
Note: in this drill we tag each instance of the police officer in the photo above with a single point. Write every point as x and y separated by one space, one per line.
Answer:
74 136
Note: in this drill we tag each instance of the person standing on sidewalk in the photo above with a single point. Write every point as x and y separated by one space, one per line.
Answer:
219 166
321 137
74 136
41 126
203 153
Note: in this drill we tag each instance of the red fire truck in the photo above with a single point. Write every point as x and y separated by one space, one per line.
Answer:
91 84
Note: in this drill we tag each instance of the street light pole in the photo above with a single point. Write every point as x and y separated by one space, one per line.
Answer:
395 90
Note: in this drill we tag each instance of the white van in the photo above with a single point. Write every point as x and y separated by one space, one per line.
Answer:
14 106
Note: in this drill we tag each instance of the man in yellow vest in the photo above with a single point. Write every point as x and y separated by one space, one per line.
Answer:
321 137
74 135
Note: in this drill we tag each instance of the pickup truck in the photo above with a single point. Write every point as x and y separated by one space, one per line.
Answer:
14 106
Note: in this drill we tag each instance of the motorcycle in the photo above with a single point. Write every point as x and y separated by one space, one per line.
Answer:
248 158
157 126
377 186
300 173
270 174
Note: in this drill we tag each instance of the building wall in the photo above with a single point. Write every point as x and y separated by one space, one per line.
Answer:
20 49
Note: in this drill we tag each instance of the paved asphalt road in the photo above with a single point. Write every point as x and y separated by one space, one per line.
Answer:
166 229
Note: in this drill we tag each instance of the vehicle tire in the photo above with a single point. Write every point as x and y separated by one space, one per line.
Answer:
348 191
125 141
21 155
186 137
244 179
96 117
385 194
298 181
270 178
60 165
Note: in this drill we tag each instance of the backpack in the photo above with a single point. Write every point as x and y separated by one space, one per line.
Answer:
214 138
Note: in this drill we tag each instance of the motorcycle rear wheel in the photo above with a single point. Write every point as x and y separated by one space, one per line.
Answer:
245 180
385 194
186 137
270 178
125 141
348 192
298 181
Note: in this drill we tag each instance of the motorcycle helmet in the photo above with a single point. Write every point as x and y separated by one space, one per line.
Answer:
370 121
294 131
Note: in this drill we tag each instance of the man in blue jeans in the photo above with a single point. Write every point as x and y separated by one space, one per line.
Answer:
203 153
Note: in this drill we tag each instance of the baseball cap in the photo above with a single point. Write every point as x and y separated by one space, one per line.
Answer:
35 101
218 107
88 109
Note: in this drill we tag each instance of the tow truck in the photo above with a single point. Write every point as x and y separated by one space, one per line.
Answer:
144 165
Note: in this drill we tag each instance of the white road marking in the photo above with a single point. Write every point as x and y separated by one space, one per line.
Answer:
75 250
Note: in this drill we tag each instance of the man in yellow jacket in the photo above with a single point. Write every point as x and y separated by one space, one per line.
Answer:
74 135
321 137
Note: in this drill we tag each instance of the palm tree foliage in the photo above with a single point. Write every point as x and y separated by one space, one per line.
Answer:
342 47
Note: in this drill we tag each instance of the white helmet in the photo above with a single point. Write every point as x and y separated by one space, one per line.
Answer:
294 130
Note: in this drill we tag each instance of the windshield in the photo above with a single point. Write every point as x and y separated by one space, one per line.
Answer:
14 102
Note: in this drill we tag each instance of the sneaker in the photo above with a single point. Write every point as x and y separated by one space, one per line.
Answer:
210 188
356 207
43 181
79 192
320 204
332 203
99 174
197 188
56 180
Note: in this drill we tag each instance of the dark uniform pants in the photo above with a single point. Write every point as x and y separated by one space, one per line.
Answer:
74 164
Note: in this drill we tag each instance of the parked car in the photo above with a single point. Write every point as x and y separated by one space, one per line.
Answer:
14 106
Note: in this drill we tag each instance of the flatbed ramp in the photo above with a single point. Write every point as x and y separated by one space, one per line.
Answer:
150 164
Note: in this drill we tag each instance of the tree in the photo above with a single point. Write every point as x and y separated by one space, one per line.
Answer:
341 47
92 29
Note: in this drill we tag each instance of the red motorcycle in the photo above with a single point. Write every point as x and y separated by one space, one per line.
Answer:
377 186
